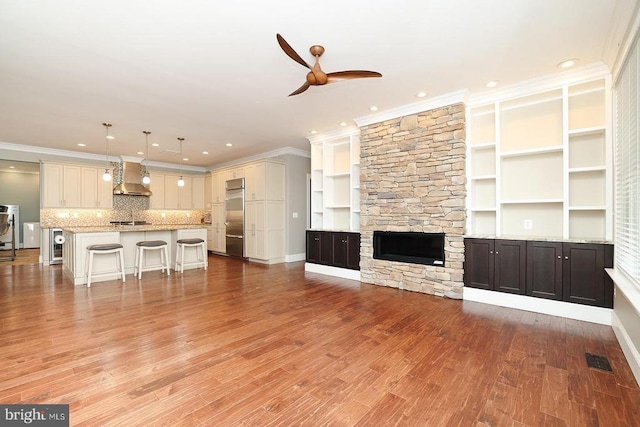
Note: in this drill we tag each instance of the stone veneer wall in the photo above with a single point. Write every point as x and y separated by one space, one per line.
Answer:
412 178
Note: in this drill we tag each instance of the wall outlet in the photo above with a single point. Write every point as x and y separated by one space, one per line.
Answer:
528 224
295 215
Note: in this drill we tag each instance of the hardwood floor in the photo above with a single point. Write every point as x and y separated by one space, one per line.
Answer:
22 257
248 344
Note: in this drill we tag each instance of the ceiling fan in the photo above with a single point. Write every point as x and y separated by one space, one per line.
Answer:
317 77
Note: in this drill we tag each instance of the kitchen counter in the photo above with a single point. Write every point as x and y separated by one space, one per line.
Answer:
74 248
132 228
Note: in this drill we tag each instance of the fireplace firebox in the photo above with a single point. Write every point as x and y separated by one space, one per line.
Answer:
410 247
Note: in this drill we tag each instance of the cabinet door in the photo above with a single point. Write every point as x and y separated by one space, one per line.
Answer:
339 247
353 251
89 185
584 276
208 189
219 229
185 194
72 186
313 246
156 201
52 183
171 193
198 192
250 239
510 266
544 270
105 192
478 263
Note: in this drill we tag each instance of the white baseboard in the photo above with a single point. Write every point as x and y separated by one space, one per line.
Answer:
569 310
296 257
629 350
344 273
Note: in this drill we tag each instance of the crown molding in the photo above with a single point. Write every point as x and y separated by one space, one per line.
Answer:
268 154
414 108
342 132
540 84
619 49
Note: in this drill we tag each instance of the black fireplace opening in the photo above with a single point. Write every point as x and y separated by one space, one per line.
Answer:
410 247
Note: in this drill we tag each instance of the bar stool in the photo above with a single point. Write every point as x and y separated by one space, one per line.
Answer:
200 246
151 245
100 249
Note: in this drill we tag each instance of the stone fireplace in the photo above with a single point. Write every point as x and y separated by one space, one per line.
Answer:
413 180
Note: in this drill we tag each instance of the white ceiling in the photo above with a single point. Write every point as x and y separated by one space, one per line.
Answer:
213 73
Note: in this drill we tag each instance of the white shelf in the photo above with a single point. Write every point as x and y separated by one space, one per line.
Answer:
587 208
530 201
588 169
483 177
483 146
336 175
482 209
587 131
544 150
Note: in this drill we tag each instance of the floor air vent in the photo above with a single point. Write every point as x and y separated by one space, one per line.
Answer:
598 362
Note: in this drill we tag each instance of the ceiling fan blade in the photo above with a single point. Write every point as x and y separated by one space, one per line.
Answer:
301 89
290 52
351 74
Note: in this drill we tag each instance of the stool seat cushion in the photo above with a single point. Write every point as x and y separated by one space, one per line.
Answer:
151 243
190 241
104 247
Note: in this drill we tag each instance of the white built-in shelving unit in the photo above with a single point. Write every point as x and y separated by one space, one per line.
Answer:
335 181
539 164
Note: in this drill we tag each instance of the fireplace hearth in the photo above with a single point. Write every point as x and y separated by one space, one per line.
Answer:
409 247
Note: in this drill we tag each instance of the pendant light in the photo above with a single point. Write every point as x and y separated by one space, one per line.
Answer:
146 179
107 174
180 181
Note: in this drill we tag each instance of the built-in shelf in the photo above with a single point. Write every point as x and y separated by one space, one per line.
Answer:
553 149
539 164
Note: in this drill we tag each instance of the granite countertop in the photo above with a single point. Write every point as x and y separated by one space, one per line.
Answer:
540 239
132 228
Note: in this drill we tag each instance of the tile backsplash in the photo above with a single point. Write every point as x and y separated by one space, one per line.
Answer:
103 217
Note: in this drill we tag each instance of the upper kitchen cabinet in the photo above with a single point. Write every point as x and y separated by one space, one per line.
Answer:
96 192
61 185
539 164
335 181
156 200
190 196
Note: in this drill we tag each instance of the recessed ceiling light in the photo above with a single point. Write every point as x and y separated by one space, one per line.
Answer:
155 144
185 159
12 167
140 153
492 83
421 94
80 144
111 137
568 63
205 152
313 132
343 123
228 144
373 108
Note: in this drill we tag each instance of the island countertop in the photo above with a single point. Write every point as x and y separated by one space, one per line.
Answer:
133 228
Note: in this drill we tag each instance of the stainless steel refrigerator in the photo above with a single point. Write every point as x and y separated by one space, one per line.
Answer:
234 207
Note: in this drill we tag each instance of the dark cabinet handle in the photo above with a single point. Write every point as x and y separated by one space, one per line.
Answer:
490 252
316 239
566 257
497 253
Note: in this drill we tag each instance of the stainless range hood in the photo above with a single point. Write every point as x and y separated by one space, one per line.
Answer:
132 181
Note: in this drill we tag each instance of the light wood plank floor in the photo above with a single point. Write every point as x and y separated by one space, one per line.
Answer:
248 344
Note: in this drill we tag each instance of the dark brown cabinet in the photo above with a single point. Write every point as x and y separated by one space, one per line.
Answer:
544 270
564 271
337 249
495 265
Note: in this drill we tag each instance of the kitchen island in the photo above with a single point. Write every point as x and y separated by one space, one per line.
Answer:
76 240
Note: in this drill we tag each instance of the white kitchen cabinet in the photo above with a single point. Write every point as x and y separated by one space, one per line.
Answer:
96 192
265 180
539 165
219 229
208 191
157 186
264 231
61 185
198 185
74 257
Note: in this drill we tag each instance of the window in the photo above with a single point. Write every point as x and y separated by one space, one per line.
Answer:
627 158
